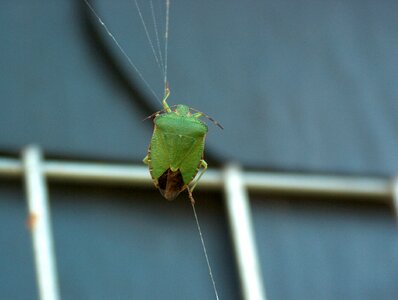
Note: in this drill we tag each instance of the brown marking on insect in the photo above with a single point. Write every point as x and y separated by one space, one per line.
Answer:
31 221
170 184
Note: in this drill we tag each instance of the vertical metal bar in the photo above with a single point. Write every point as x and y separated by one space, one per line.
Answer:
239 214
39 223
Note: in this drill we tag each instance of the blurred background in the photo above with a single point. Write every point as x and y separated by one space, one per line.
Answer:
303 88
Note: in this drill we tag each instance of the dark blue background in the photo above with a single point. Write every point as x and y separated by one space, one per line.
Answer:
303 85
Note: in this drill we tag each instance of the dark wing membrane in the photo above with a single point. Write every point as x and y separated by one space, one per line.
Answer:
170 184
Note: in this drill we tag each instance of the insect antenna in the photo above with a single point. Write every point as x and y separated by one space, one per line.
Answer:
153 115
215 122
157 113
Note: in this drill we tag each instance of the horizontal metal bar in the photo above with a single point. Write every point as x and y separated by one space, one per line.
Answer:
321 185
372 188
10 167
98 172
395 197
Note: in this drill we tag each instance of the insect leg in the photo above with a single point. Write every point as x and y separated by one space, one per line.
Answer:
190 196
203 164
145 160
166 95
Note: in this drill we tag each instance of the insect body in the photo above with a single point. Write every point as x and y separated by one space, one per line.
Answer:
175 153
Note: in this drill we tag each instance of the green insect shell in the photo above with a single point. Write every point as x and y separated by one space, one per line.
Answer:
175 153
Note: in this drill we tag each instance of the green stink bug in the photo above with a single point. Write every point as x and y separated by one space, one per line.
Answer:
175 153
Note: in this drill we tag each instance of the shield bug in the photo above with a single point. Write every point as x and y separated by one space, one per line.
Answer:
175 154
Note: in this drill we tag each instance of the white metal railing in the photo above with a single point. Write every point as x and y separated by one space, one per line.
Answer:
235 182
240 222
40 224
356 188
